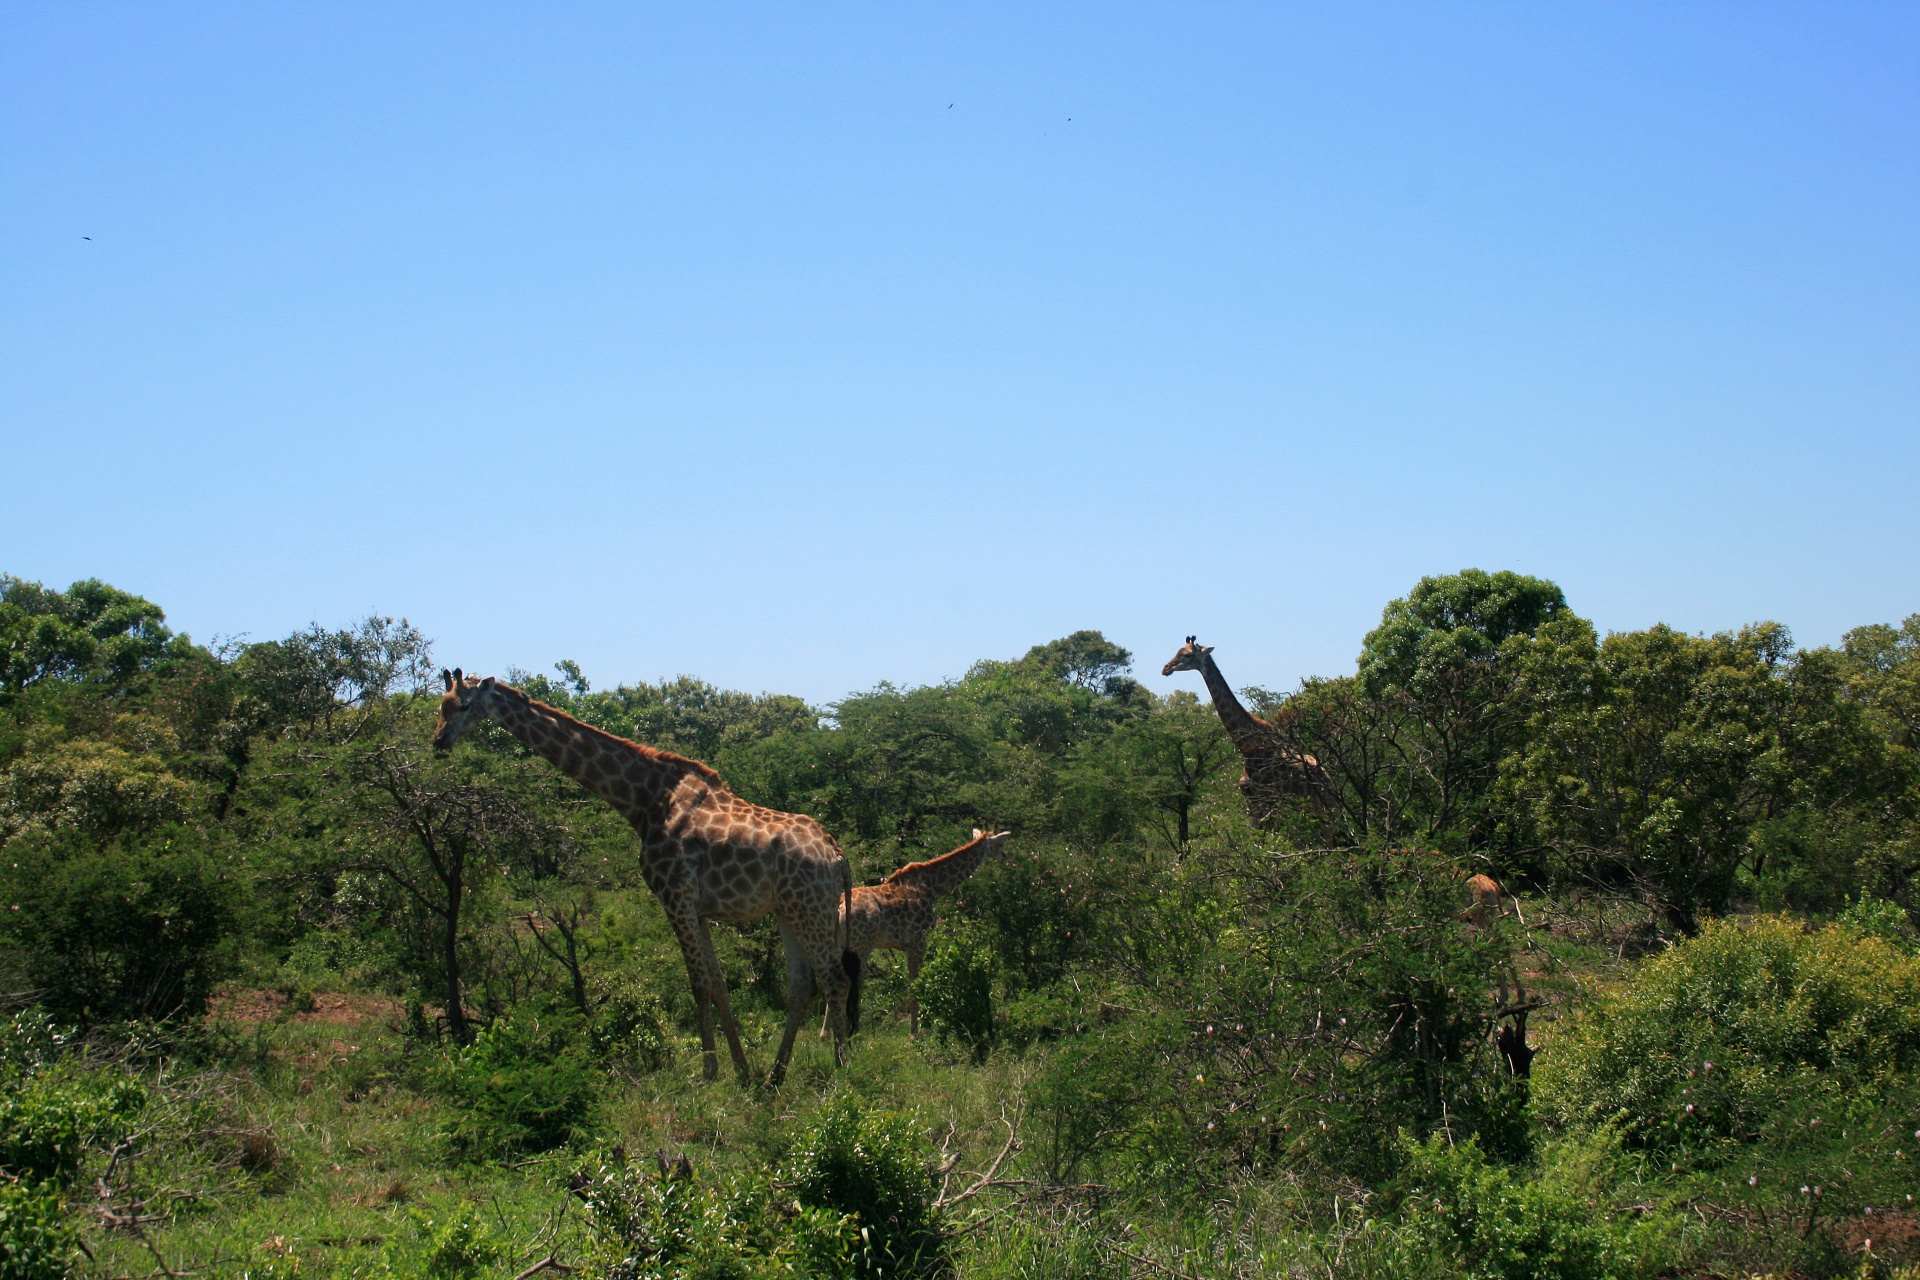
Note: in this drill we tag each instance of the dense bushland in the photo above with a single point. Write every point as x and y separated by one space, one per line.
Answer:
258 941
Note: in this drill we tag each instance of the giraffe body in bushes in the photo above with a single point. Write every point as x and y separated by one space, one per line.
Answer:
1273 770
706 854
897 914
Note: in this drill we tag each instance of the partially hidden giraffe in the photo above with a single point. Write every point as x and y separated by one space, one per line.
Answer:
1485 892
897 914
1273 770
706 854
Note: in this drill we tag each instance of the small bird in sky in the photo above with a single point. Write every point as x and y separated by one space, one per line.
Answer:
949 106
86 237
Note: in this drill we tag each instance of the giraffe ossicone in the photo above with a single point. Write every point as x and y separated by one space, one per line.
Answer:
706 854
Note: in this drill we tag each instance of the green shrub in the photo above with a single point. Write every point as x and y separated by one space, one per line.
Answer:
522 1085
629 1027
29 1039
1720 1037
461 1247
955 989
50 1121
1089 1095
119 931
1880 918
35 1241
875 1167
674 1227
1307 1007
1486 1221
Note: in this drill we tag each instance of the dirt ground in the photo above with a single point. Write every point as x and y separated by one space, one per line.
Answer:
331 1009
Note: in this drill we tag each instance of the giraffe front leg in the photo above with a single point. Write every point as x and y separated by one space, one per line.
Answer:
914 956
709 991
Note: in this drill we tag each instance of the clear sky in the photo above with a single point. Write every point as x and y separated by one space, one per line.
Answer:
801 347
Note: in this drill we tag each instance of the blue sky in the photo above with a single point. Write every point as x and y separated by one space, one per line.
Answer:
803 347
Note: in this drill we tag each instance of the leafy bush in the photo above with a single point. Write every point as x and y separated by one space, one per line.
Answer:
675 1227
119 931
1717 1038
955 989
50 1120
1488 1222
1089 1095
29 1040
1880 918
35 1242
459 1248
522 1085
875 1167
1351 970
629 1027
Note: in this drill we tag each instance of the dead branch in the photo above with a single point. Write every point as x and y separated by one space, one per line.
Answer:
1157 1266
986 1179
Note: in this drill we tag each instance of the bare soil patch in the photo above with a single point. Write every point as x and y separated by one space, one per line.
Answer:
332 1009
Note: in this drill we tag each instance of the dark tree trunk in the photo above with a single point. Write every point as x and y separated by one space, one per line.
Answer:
455 880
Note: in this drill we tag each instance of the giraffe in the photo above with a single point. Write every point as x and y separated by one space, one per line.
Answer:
1485 892
706 854
1274 771
897 915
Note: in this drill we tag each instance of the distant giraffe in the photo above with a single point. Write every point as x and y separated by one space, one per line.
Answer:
706 854
1274 771
897 915
1485 892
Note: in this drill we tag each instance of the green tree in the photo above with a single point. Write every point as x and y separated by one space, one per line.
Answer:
1442 662
1653 755
1882 664
435 829
1152 768
89 631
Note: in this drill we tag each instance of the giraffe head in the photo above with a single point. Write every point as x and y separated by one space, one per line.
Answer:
995 843
460 706
1190 658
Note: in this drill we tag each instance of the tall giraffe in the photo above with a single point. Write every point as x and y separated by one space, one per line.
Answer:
706 854
897 914
1273 770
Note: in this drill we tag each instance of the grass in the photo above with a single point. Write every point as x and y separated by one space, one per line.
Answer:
315 1151
308 1142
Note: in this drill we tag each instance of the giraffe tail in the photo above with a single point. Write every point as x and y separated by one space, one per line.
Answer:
848 960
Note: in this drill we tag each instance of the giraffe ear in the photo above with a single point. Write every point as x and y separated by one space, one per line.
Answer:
486 684
1204 648
447 676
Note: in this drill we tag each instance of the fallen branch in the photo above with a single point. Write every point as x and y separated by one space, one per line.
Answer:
1157 1266
985 1179
548 1263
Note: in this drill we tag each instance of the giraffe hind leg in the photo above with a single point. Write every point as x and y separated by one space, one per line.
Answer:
799 999
822 960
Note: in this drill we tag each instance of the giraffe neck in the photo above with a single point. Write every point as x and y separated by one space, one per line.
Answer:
1245 728
633 778
938 875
